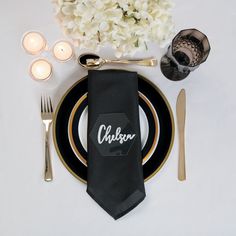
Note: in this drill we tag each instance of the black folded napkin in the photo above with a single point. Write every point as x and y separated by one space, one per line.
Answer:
115 174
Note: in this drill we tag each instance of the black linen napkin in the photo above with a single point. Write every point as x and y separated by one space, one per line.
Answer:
115 174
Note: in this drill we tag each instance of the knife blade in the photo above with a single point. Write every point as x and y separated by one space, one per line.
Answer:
181 115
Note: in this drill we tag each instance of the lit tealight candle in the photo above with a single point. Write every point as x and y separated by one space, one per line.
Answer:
63 51
41 69
34 42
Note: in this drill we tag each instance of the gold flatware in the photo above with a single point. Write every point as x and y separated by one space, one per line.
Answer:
93 61
47 116
181 113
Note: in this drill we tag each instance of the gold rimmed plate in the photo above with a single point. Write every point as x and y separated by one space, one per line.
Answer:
77 129
154 108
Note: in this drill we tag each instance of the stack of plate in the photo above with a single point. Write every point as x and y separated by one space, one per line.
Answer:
70 128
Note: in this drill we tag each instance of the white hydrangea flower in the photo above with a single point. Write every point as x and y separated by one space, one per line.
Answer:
127 25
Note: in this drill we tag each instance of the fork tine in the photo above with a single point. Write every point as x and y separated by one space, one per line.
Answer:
41 104
50 103
46 104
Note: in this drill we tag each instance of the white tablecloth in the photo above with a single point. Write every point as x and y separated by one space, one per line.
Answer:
203 205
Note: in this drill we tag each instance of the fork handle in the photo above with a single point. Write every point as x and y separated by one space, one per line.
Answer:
48 165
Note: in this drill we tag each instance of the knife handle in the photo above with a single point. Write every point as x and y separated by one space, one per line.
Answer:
181 164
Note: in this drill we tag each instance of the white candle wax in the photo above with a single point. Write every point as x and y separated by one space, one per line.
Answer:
40 69
63 51
33 42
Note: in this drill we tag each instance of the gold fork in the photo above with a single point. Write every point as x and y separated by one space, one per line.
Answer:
47 116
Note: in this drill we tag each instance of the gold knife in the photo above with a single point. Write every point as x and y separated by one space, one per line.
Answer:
181 113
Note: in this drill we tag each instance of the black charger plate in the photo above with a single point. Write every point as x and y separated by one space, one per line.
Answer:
74 102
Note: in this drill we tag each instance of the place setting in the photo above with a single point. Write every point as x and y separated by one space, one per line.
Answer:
114 129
